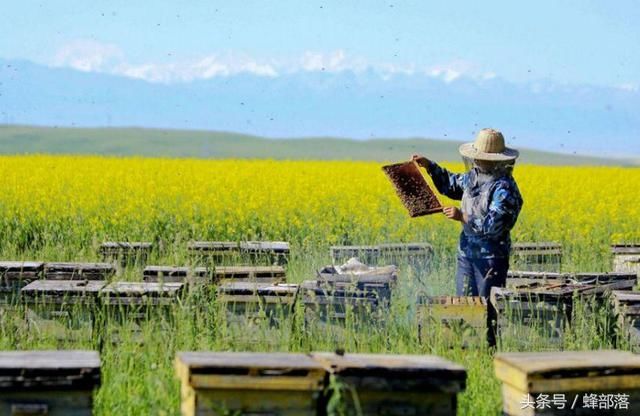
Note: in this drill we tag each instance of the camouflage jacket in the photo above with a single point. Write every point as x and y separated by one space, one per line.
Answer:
491 204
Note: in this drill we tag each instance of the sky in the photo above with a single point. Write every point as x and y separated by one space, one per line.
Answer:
573 63
575 42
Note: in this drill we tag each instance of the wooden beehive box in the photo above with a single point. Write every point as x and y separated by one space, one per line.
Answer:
14 275
332 303
257 300
64 309
573 378
176 274
78 271
366 254
249 274
519 278
528 314
379 281
396 384
52 383
138 300
626 306
417 255
214 252
220 383
265 252
538 257
626 257
466 315
125 253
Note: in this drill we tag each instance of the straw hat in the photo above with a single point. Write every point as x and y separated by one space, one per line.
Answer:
489 145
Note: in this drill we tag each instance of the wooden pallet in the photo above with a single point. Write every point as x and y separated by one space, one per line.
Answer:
125 253
626 257
54 383
285 384
64 309
539 256
569 374
78 271
626 306
395 384
464 315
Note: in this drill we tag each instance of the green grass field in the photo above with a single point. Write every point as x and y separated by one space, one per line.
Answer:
220 145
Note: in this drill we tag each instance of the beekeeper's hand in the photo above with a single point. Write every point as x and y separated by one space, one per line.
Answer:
453 213
420 160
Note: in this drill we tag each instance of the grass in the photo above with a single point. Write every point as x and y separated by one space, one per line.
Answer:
138 376
219 145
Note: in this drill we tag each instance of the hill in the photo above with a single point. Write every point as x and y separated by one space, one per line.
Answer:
210 144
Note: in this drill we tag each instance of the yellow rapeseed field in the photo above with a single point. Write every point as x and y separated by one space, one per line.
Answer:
76 200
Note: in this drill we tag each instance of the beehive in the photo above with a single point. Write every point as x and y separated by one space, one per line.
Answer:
526 315
80 271
366 254
540 383
64 309
626 257
465 315
255 274
210 253
125 253
52 383
266 252
534 279
176 274
214 383
257 300
138 300
417 255
379 282
333 303
14 275
395 384
626 306
539 257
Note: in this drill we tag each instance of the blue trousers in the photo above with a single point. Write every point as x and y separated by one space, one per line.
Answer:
476 277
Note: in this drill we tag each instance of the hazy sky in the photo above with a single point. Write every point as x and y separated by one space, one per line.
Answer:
577 41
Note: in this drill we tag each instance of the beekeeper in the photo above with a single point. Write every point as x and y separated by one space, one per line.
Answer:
491 202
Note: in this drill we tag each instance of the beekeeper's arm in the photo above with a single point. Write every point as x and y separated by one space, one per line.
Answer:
447 183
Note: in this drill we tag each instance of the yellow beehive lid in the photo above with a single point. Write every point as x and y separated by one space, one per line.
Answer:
565 371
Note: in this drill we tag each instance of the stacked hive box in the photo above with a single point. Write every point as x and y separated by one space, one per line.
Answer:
53 383
626 306
14 275
296 384
249 384
539 257
222 253
543 308
173 274
394 384
464 315
571 383
626 258
255 274
125 253
257 300
78 271
417 255
63 308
